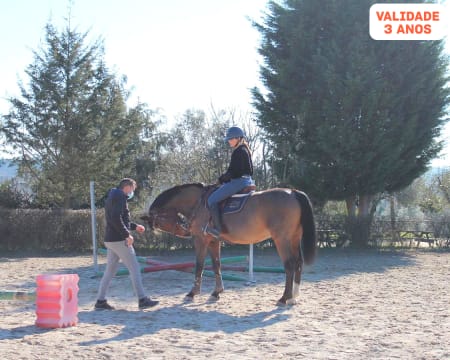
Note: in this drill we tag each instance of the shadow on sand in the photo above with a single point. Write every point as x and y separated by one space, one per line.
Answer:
189 317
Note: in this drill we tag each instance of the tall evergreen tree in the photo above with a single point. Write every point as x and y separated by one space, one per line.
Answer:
71 123
348 116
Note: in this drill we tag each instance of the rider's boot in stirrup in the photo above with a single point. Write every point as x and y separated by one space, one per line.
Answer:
215 213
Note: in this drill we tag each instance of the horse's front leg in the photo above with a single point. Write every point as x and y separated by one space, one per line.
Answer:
214 251
200 254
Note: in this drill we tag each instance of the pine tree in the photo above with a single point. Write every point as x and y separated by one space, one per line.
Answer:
348 117
71 123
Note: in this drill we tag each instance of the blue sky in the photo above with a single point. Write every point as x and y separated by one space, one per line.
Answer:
177 54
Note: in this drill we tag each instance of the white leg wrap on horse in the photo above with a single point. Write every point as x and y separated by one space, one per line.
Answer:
296 290
219 281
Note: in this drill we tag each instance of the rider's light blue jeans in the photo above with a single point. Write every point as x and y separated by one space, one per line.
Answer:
230 188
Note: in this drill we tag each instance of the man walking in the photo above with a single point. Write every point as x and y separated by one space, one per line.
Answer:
119 244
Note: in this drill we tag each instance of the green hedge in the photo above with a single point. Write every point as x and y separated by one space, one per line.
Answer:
46 231
68 231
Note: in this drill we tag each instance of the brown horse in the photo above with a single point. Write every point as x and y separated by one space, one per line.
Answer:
285 215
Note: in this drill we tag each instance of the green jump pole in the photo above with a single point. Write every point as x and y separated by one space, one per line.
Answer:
255 269
158 266
268 269
17 295
225 260
208 273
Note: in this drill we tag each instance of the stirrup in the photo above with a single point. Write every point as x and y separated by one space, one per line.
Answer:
211 231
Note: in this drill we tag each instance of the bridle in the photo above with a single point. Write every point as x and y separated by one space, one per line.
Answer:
161 215
170 214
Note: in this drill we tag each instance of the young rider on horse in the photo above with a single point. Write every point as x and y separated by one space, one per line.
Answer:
237 177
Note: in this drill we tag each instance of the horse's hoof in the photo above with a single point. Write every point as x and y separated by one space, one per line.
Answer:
189 298
216 294
292 301
214 298
284 302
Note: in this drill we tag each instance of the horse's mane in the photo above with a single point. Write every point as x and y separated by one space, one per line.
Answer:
168 194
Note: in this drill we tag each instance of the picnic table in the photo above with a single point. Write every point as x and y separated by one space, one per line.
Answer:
329 237
418 236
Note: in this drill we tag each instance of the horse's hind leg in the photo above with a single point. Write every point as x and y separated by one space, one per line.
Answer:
200 254
214 250
287 298
297 276
290 254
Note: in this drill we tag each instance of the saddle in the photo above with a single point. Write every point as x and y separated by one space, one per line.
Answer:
236 202
230 205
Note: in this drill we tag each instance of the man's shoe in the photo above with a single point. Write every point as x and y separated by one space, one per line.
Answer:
145 303
103 305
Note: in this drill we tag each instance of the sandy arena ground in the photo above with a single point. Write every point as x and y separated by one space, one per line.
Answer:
353 305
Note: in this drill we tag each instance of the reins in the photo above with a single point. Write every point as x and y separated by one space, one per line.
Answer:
202 199
185 222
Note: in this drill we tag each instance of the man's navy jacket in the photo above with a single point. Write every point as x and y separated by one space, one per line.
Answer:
118 224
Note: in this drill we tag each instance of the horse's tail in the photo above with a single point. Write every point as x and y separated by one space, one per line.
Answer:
309 240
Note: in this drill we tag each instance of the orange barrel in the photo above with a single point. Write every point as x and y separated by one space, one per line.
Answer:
56 300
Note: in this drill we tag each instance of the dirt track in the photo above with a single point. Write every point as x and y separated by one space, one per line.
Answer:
353 305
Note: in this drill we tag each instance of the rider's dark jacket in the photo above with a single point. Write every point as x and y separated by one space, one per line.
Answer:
240 165
118 224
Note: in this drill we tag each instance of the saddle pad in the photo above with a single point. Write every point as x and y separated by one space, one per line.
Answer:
235 203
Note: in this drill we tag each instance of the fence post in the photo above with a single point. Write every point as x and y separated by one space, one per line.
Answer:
251 278
94 227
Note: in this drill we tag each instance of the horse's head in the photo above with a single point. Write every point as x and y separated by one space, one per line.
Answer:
167 220
174 208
